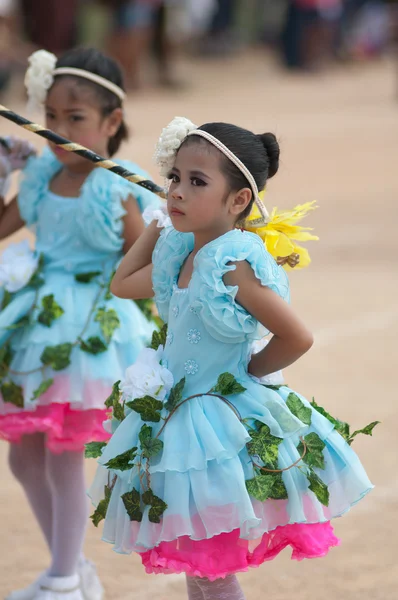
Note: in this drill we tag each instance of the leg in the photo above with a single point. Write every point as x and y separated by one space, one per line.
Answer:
65 473
194 591
27 463
221 589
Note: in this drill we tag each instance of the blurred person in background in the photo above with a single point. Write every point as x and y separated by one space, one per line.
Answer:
309 32
139 27
5 33
51 24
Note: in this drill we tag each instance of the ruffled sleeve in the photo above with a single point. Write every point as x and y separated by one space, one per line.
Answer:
101 206
214 301
34 183
168 256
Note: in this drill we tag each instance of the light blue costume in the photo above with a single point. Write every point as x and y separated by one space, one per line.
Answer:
73 236
202 470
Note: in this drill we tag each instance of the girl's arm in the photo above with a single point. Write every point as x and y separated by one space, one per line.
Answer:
133 278
10 218
291 339
133 223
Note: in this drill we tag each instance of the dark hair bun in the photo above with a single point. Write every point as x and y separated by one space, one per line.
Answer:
272 149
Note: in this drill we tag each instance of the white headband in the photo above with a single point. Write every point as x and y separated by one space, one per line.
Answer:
173 136
40 77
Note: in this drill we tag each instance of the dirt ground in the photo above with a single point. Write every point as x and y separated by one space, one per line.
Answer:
339 137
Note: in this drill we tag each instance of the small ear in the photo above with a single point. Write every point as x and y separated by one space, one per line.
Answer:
113 121
240 201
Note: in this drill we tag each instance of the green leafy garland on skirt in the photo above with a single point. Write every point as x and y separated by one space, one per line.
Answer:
263 448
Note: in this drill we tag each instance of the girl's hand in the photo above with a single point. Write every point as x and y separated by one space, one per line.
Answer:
15 152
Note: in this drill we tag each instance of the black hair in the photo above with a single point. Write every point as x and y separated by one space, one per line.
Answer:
92 60
259 153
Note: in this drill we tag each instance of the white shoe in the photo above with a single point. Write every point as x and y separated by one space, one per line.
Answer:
90 584
59 588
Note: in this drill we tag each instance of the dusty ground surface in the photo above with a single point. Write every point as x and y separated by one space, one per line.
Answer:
339 135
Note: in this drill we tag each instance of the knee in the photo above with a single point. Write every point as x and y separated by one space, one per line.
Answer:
23 467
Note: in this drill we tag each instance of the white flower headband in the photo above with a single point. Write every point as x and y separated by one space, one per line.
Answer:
40 76
170 141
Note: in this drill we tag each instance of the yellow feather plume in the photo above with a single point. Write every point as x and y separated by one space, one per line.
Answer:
281 232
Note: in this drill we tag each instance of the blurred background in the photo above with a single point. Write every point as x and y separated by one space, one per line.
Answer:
322 75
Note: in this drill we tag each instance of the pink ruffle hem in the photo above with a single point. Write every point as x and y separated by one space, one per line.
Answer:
66 430
225 554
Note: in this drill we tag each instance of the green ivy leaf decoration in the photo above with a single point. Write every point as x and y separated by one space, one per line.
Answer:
319 488
264 445
7 297
108 293
159 338
36 281
261 487
132 504
145 434
51 311
100 512
227 385
94 449
57 357
274 387
158 506
314 454
12 393
122 462
298 409
278 491
343 429
108 321
93 345
147 407
43 387
368 430
115 395
87 277
150 447
175 396
22 322
146 307
6 356
114 402
323 412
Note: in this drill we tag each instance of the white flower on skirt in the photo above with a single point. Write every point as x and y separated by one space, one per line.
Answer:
17 265
271 379
147 377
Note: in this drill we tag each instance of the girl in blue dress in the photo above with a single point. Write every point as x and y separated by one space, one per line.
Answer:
63 335
209 471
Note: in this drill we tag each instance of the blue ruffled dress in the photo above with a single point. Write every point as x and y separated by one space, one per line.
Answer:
215 521
73 236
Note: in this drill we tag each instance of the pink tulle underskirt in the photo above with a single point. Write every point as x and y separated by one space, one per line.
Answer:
66 430
224 554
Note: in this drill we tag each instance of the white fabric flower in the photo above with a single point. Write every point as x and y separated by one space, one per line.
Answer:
271 379
17 265
157 214
169 142
147 377
39 77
